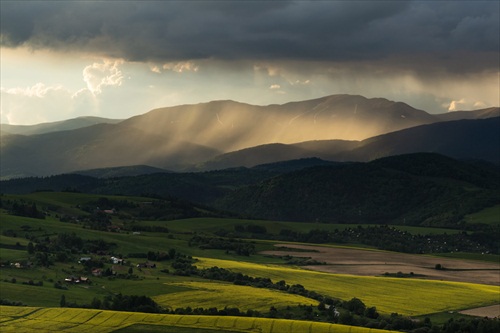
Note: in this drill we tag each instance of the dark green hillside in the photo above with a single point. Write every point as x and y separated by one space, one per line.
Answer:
436 191
416 189
479 173
59 183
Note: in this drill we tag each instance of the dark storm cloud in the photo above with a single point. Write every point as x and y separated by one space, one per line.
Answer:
451 33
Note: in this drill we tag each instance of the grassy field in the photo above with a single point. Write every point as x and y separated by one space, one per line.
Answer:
487 216
405 296
41 320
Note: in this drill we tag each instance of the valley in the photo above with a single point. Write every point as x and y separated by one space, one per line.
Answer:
236 229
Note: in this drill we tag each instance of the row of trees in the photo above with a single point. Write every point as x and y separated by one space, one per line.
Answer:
229 244
393 239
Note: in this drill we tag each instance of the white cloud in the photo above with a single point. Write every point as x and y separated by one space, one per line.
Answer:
155 69
43 103
454 105
39 90
99 75
275 86
463 104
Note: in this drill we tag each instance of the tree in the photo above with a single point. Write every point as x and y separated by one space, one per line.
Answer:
62 302
356 306
31 248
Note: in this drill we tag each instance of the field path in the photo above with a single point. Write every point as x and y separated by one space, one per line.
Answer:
343 260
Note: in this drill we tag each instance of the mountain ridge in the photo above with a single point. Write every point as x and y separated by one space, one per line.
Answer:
182 137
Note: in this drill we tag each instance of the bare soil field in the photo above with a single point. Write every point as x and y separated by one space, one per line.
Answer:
376 263
492 311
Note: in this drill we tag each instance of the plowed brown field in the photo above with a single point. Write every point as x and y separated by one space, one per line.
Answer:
343 260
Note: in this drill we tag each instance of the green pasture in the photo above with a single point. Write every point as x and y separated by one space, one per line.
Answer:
41 320
489 215
126 242
150 282
411 297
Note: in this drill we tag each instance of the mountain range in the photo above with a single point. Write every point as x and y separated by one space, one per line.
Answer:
223 134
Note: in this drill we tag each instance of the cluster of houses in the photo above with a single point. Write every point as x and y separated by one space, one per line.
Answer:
76 280
99 271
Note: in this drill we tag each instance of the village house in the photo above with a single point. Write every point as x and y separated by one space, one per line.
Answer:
117 261
146 265
84 259
97 272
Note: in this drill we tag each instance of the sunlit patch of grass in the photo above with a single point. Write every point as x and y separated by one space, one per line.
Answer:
86 320
211 294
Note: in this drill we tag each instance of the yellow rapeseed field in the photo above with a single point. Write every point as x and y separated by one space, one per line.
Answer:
219 295
405 296
65 320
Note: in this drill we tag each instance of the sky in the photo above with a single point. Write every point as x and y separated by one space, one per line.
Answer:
117 59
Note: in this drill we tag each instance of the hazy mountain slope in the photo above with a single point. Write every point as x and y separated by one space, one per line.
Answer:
271 153
55 126
177 137
474 114
250 157
372 192
229 126
462 139
94 147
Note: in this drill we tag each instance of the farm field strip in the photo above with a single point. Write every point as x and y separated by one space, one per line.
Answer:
220 295
68 320
405 296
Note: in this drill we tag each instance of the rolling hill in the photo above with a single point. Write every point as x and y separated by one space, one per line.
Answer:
424 189
420 189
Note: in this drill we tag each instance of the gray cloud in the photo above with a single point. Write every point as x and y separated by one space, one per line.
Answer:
454 35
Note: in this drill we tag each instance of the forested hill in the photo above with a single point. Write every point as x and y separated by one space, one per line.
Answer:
415 189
